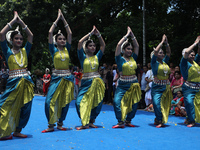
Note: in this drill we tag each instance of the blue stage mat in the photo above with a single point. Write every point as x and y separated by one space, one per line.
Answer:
145 136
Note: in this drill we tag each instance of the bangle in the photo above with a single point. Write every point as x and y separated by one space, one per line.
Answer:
25 27
125 37
90 34
99 35
66 25
55 24
133 38
9 25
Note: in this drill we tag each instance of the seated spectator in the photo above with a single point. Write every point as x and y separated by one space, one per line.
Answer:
176 84
180 109
175 102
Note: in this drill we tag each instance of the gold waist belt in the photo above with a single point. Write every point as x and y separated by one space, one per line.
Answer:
161 82
192 85
61 73
131 78
91 75
18 73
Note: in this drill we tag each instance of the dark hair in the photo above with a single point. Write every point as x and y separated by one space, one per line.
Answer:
88 42
192 51
177 72
13 34
57 35
145 66
180 92
126 45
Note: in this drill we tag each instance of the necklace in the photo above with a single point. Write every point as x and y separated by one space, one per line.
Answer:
91 63
62 59
20 65
129 63
165 69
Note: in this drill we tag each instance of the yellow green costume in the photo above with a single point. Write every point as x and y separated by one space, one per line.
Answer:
128 92
91 92
60 91
161 92
191 93
16 101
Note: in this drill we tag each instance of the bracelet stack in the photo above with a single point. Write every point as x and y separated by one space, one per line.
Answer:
25 27
66 25
125 37
9 25
133 38
99 35
55 24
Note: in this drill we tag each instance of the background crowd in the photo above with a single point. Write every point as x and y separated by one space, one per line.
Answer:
110 76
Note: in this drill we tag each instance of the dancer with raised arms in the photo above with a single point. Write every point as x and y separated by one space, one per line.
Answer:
128 92
91 92
16 101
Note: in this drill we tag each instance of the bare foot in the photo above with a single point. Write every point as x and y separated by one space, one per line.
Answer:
191 125
6 137
82 127
160 125
129 125
17 134
118 126
48 130
92 125
61 128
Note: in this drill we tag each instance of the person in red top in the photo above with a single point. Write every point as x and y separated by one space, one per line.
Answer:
180 109
78 76
46 81
176 84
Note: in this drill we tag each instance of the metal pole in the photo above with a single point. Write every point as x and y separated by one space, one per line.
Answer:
144 40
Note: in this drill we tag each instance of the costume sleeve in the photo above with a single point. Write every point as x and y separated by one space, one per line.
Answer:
99 55
166 59
134 56
28 48
197 58
118 60
154 65
68 46
81 56
52 49
184 67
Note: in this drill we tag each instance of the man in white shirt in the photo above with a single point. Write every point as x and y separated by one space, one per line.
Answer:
142 104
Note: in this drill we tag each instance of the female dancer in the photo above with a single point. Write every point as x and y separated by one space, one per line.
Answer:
161 91
60 92
190 71
91 92
46 81
16 101
128 92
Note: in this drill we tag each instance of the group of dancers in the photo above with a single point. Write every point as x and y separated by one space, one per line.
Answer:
16 101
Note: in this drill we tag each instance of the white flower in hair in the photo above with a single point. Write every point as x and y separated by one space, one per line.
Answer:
84 44
54 37
152 53
8 34
183 51
125 42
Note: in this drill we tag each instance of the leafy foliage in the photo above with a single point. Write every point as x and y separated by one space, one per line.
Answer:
178 19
